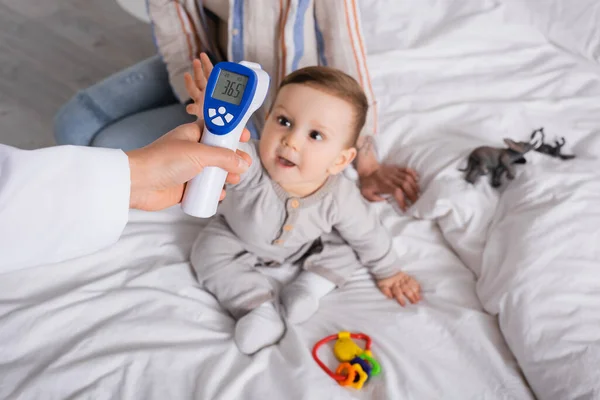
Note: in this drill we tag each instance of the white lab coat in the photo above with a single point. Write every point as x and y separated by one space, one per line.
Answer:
59 203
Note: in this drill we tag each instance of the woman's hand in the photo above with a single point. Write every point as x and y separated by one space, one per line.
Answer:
160 170
402 183
378 180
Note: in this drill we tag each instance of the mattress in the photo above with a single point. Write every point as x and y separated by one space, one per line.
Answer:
510 277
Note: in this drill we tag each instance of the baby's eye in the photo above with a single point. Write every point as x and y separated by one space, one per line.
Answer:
283 121
316 135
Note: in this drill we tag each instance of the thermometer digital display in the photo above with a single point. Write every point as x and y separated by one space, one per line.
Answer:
230 87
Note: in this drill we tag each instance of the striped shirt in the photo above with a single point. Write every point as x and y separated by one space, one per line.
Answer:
281 35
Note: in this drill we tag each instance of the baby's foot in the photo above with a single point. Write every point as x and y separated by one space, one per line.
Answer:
259 328
300 299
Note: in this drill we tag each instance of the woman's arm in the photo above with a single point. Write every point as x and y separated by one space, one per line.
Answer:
366 158
181 32
378 180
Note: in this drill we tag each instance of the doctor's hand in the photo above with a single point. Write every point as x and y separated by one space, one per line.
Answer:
160 170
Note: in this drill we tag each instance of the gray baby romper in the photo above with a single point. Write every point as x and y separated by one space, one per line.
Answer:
258 223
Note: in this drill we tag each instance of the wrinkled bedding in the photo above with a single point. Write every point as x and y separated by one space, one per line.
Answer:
533 244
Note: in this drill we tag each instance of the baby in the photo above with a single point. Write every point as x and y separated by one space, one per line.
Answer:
294 206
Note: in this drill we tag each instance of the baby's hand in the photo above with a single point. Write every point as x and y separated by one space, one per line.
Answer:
399 286
195 86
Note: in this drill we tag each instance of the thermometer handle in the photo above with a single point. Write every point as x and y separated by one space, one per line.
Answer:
202 193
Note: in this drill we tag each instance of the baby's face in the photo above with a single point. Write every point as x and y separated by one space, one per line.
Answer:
305 138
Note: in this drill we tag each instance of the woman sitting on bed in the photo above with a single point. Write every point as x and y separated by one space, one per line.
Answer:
134 107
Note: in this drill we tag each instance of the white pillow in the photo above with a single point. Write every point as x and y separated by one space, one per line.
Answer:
572 25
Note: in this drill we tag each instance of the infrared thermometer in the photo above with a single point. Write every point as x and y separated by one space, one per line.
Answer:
234 91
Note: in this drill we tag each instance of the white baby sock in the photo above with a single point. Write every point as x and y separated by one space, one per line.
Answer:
259 328
300 299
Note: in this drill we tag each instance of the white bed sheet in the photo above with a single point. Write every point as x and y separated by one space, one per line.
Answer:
131 323
476 73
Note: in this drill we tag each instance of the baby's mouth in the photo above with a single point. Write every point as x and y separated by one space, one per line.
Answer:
284 162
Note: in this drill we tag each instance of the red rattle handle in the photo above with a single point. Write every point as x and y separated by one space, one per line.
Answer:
337 377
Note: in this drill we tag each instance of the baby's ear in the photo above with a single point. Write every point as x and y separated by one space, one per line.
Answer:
344 159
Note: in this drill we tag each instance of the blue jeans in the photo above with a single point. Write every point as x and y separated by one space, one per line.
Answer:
127 110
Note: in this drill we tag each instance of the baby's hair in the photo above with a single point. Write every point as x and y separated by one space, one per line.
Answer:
336 83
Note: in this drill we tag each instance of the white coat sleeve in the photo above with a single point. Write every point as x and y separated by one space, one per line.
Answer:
60 203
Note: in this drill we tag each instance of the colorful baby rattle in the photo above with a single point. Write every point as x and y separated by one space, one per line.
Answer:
357 365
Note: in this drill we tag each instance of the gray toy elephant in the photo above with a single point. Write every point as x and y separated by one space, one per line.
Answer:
496 161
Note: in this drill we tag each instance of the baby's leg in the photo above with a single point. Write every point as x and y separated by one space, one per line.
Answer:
228 272
322 272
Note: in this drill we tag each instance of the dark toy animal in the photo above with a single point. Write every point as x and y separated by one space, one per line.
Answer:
548 149
496 160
